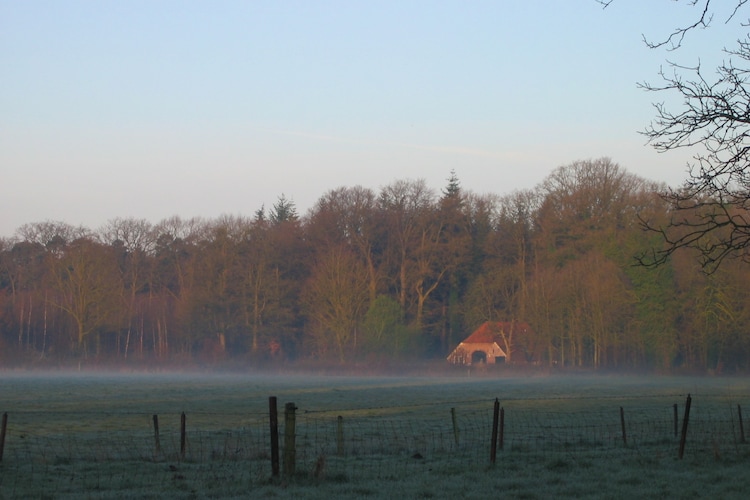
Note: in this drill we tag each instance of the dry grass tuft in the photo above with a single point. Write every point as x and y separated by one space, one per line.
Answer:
319 470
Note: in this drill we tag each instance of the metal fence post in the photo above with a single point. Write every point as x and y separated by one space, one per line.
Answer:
274 423
157 443
183 435
742 425
3 428
495 419
289 436
685 419
455 425
340 436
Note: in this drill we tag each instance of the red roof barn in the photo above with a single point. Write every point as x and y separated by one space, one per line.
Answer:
490 343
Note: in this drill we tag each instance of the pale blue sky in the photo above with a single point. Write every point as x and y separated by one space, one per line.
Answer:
150 109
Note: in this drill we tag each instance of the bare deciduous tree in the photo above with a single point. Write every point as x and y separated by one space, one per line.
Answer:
702 20
710 212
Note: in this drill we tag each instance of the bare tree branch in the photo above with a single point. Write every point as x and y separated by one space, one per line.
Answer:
740 3
675 39
710 213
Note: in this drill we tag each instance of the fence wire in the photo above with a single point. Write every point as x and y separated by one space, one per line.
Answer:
118 454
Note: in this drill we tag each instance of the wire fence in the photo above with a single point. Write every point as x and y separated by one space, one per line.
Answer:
136 453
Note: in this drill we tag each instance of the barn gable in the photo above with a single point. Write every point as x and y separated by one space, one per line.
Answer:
484 344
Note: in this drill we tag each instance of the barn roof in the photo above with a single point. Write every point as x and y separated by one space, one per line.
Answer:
490 331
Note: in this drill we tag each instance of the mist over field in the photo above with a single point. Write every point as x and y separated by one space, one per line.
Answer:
91 433
185 391
375 250
372 280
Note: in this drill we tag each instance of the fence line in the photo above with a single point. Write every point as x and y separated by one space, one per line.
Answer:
75 450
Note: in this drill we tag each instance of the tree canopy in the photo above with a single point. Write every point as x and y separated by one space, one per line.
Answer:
403 273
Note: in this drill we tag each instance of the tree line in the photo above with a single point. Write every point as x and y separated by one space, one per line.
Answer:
372 276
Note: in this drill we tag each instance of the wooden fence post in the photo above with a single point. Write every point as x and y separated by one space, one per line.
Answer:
157 443
289 435
622 425
3 428
274 422
340 436
685 419
495 419
742 426
455 425
183 435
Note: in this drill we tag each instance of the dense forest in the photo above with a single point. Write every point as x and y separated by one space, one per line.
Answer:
397 274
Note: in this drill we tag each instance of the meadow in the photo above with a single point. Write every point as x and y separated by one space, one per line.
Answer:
72 435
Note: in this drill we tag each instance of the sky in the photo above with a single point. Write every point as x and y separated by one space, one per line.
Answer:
151 109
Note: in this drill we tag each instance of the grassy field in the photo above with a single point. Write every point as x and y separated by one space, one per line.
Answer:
92 436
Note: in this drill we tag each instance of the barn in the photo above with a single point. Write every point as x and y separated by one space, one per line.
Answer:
491 343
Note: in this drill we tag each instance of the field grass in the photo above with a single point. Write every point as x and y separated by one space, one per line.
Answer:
91 436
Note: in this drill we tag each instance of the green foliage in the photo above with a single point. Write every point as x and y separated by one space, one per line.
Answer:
284 210
453 189
399 274
384 333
